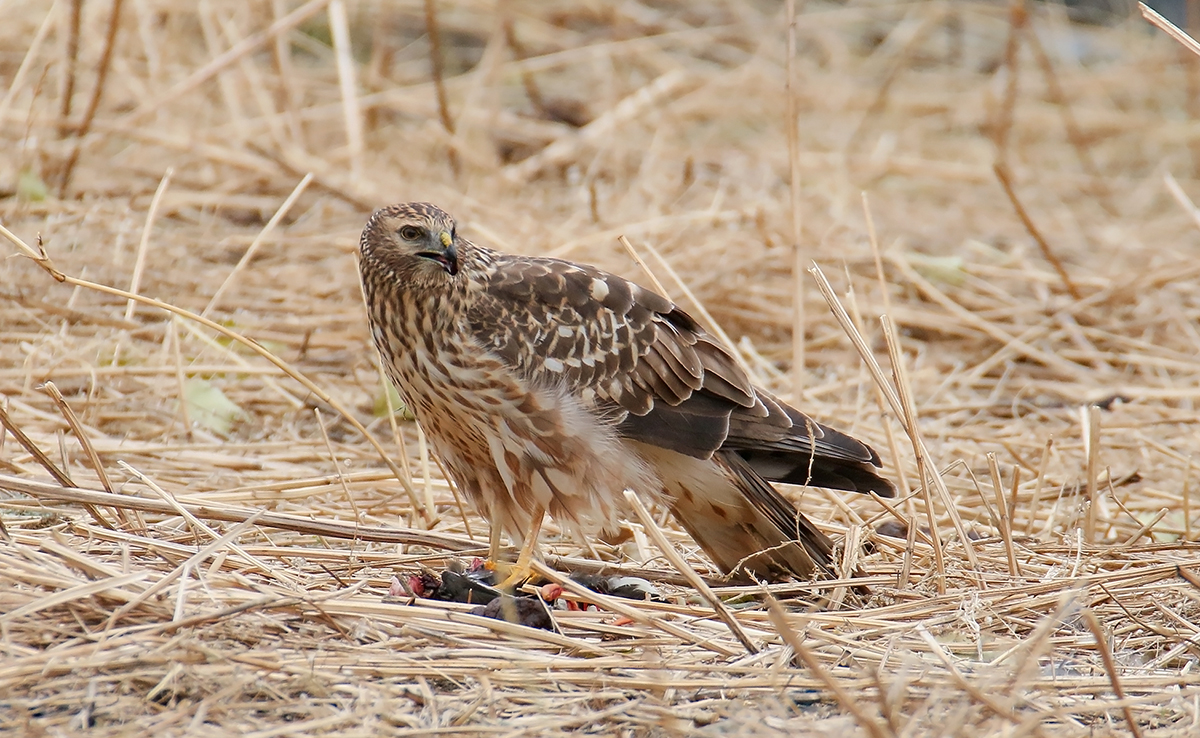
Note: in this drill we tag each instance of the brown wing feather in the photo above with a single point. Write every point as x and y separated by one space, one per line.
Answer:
649 364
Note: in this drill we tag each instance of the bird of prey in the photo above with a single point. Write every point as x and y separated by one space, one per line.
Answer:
547 386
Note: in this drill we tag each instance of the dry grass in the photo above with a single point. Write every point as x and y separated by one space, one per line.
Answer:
232 580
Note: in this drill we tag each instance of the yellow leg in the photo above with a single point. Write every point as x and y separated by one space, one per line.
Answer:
522 569
494 543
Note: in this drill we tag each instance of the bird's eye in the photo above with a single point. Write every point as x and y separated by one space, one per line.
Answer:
410 233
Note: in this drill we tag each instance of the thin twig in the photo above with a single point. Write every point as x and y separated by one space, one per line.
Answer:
848 701
337 467
1074 134
633 254
1110 667
437 67
279 215
1005 178
1003 521
88 449
1181 197
527 80
1002 125
46 462
1091 437
89 114
1031 520
351 111
29 60
289 96
180 383
33 450
296 523
894 447
893 399
631 107
1186 494
660 540
139 262
71 52
908 412
1146 527
77 428
1170 28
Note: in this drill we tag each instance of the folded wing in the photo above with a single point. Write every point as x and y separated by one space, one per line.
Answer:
663 379
665 382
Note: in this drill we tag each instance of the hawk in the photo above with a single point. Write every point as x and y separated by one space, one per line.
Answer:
547 386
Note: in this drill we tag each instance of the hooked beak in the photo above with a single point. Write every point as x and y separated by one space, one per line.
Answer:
447 257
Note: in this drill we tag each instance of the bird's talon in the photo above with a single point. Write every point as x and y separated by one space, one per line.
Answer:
517 576
508 576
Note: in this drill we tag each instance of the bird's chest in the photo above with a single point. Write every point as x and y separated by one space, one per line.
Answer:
457 390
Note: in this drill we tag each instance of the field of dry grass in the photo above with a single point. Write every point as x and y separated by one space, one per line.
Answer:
201 530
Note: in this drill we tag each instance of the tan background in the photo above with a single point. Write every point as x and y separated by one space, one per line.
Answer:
574 123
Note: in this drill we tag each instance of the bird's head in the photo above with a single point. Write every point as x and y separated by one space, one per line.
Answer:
415 240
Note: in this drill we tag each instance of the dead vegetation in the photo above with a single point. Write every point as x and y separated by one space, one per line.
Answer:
200 538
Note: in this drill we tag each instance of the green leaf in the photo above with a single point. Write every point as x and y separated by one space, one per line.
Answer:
1171 520
30 187
387 393
208 407
945 269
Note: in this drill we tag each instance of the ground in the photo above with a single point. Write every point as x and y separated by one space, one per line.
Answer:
1046 339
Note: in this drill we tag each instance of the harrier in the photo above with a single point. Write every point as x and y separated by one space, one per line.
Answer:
547 386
